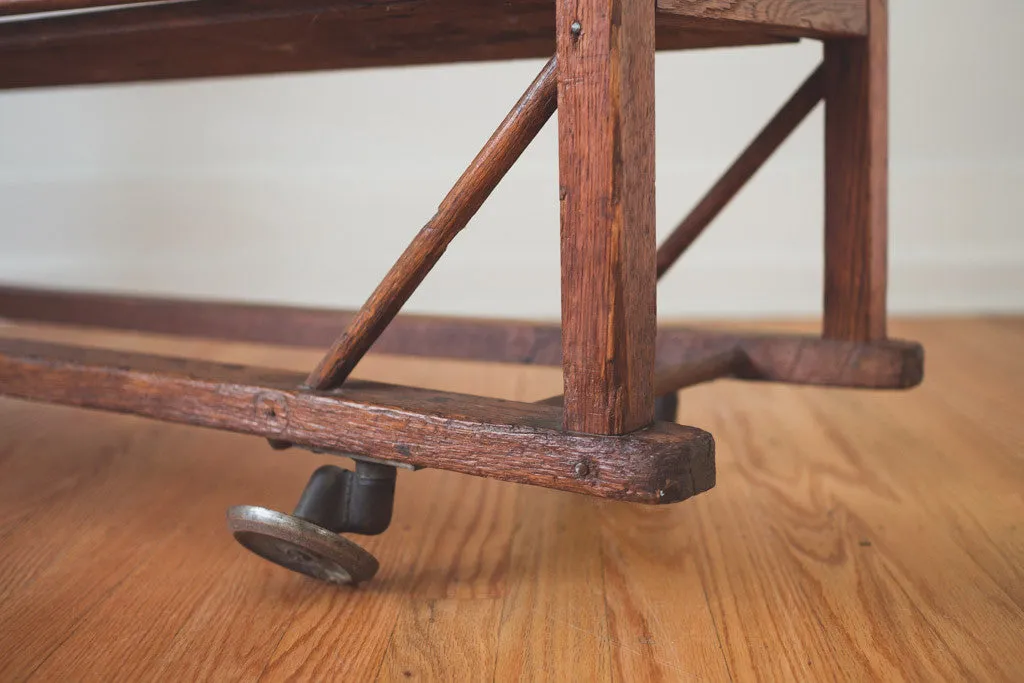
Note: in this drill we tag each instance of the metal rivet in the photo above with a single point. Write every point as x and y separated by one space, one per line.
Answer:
576 28
581 469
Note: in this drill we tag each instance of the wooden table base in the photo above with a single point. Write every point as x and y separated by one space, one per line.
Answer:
600 437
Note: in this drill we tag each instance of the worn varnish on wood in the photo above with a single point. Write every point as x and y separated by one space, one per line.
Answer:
791 358
857 182
208 38
606 176
486 437
801 18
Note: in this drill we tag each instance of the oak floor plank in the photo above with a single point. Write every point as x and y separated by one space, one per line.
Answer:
661 627
554 621
853 535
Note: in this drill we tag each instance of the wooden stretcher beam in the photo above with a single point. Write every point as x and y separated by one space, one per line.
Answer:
795 18
409 335
506 440
767 142
237 37
797 359
10 8
715 365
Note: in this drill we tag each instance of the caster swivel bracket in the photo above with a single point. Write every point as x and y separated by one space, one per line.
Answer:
308 541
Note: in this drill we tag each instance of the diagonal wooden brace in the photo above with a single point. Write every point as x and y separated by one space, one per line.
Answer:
771 137
509 141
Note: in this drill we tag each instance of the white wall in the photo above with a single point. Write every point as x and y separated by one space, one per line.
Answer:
305 188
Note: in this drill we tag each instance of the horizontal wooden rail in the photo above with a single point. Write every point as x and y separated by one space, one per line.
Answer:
506 440
795 18
715 365
409 335
228 38
727 363
796 359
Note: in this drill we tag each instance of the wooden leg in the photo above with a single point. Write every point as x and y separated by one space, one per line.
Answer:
856 182
606 167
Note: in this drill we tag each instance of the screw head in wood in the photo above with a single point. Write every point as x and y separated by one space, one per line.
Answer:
575 28
581 469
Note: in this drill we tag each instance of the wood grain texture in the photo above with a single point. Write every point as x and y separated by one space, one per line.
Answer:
799 359
857 182
16 7
852 536
771 137
228 38
448 337
800 18
803 359
466 197
728 363
662 464
606 176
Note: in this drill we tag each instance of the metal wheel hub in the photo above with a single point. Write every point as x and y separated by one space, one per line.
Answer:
301 545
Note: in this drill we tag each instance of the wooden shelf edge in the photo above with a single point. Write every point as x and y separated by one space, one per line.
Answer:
517 442
789 358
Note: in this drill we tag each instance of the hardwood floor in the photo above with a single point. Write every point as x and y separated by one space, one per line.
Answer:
852 535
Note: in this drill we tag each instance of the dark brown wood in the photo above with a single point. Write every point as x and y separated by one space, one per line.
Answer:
771 137
509 141
715 365
227 38
606 171
480 436
727 363
797 359
802 359
856 182
16 7
798 18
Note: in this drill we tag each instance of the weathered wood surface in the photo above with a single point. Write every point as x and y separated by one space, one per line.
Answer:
804 359
857 182
851 536
771 137
468 194
16 7
887 364
798 18
606 177
486 437
472 339
715 365
208 38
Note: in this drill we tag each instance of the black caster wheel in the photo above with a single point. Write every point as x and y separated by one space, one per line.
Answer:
308 541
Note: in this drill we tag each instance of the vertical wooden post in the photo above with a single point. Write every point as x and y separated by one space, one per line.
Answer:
606 169
856 181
